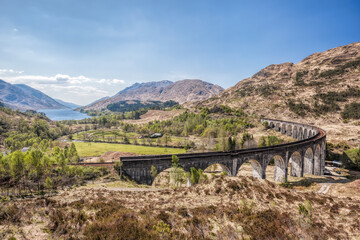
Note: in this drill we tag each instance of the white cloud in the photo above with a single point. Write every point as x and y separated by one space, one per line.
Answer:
79 89
111 81
10 71
58 79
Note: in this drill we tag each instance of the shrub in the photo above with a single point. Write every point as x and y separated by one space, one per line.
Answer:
300 108
299 78
10 214
351 111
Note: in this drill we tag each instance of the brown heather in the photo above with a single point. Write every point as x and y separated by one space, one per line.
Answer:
221 208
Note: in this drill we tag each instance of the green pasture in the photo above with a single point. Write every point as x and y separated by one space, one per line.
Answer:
89 149
118 136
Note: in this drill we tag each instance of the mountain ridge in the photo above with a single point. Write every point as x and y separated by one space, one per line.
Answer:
179 91
24 97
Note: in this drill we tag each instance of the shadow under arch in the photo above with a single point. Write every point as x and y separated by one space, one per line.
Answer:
250 165
308 161
295 163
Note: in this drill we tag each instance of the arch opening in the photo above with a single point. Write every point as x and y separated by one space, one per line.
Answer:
295 165
305 133
275 169
217 169
300 133
166 177
277 127
289 130
283 128
295 132
250 167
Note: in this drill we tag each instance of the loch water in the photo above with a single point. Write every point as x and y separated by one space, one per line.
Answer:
63 114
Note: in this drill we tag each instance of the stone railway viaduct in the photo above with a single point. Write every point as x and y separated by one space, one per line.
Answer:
304 156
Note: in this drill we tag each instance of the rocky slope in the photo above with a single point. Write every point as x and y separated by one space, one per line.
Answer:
23 97
187 90
319 89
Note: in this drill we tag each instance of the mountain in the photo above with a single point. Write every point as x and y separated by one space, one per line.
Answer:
180 91
23 97
67 104
323 89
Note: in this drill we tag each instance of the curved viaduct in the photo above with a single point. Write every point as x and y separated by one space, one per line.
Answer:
304 156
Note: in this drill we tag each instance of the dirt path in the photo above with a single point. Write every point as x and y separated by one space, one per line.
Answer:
124 189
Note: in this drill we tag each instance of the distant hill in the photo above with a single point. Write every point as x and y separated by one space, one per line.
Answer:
187 90
323 89
23 97
67 104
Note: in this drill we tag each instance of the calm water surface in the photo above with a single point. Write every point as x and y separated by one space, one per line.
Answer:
63 114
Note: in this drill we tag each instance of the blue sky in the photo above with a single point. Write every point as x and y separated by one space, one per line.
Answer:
81 50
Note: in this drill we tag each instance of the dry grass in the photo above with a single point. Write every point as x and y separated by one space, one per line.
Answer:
220 208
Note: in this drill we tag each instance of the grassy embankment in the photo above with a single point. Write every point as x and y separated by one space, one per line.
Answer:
88 149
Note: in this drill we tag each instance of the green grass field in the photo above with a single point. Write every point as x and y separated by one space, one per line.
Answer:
118 136
87 149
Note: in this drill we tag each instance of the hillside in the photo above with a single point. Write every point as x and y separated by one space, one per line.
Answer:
181 91
323 89
23 97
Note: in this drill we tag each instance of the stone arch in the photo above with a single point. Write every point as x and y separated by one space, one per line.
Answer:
277 127
279 172
305 133
162 173
310 134
300 133
257 170
295 163
295 132
289 130
283 128
317 160
223 168
271 124
308 161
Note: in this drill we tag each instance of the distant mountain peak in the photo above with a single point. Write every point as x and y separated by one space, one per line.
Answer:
181 91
